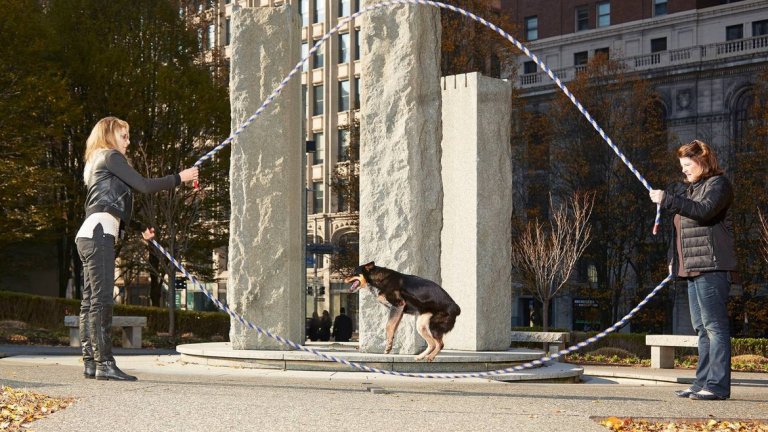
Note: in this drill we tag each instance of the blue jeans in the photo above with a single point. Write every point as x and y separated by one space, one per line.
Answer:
708 299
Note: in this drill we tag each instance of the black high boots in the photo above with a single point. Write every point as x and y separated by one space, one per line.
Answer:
108 370
89 371
100 325
89 364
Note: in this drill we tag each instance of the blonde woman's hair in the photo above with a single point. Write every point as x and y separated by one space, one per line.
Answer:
103 136
704 155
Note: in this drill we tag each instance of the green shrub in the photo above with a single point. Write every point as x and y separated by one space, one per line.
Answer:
633 343
617 353
49 313
749 346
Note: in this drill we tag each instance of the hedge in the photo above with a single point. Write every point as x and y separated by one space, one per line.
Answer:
635 343
49 312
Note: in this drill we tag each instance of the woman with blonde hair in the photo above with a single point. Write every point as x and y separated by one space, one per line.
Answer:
703 254
110 180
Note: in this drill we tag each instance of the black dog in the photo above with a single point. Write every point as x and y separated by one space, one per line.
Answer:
413 295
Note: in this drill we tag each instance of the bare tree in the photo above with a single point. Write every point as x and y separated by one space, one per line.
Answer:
546 257
763 235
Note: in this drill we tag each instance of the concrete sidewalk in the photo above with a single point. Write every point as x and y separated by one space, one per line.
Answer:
175 396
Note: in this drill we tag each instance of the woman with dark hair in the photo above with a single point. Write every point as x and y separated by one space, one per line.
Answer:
703 254
108 206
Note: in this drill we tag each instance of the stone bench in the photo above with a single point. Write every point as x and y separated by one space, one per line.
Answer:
663 348
553 341
131 326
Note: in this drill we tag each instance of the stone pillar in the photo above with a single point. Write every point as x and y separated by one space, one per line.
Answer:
400 188
266 251
477 207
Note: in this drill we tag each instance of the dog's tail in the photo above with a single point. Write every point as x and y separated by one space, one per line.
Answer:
443 322
454 310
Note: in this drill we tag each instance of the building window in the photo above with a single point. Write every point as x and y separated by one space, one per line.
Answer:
357 93
604 14
658 45
341 198
211 36
344 48
605 52
582 18
759 28
227 31
343 145
319 149
345 8
741 119
317 98
529 67
734 32
319 12
356 52
317 62
659 7
532 28
200 39
580 58
344 95
317 197
304 8
304 54
304 104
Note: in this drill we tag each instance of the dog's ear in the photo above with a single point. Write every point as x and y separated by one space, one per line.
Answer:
369 266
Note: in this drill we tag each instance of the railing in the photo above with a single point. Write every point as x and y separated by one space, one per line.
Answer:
676 57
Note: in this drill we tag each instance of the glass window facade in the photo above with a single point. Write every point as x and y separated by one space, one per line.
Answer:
604 14
317 98
344 95
317 197
532 28
582 18
319 15
344 48
319 148
319 58
343 145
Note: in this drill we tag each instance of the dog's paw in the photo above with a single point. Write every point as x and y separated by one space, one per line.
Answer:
387 350
419 358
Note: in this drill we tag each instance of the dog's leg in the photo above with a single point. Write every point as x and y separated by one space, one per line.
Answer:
395 314
422 325
439 347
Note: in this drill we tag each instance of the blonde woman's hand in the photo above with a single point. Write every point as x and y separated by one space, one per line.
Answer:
189 174
148 234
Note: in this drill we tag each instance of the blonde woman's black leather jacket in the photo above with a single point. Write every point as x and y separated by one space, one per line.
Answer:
111 184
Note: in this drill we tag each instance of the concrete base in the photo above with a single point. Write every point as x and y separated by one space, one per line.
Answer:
449 361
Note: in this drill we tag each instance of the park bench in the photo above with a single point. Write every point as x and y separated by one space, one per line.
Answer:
663 348
131 326
553 341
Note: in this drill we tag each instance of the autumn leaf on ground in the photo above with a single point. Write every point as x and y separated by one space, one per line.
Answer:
642 425
18 408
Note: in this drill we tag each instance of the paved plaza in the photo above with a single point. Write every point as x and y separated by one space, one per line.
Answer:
185 397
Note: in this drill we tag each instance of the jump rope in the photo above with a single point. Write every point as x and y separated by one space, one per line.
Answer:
562 87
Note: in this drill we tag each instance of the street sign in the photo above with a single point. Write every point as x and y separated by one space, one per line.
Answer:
310 260
322 248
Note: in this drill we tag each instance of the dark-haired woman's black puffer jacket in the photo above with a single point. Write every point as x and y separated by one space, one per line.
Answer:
706 225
